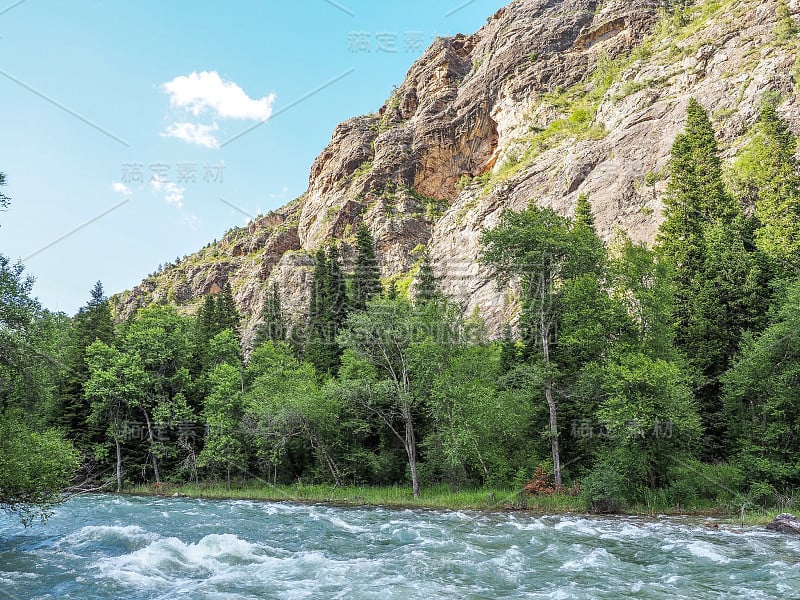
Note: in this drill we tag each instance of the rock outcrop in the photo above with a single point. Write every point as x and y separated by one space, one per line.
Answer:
785 523
549 100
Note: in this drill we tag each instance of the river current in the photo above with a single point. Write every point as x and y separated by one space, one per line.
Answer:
102 547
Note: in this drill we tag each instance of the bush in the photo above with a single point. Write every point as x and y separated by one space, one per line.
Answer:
762 493
605 489
693 481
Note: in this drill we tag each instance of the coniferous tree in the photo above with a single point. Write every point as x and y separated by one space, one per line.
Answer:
366 276
717 278
695 197
327 288
205 328
583 212
92 323
319 301
227 315
509 352
426 288
590 250
337 291
767 175
273 325
391 290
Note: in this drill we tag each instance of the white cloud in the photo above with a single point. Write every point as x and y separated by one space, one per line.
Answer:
198 134
207 91
173 194
121 188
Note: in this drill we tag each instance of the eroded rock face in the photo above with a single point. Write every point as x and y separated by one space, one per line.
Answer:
549 100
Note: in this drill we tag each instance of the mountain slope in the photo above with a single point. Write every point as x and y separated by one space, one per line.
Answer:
549 100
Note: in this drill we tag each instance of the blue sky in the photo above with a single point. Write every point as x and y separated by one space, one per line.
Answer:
118 119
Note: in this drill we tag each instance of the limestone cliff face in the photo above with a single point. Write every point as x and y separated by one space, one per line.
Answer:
550 99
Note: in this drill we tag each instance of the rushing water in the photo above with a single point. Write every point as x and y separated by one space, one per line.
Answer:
138 548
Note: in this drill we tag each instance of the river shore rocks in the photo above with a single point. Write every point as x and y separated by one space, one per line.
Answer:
785 523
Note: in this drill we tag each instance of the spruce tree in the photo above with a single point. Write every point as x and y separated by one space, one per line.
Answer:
717 279
205 326
226 314
509 353
589 246
767 176
273 325
696 197
327 289
391 290
319 301
426 288
583 212
337 292
366 276
92 323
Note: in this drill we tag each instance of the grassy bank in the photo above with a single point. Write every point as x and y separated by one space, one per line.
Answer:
438 497
441 498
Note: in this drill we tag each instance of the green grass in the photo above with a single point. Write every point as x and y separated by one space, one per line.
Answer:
443 497
438 497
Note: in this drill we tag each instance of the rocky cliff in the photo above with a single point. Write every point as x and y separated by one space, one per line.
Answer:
549 100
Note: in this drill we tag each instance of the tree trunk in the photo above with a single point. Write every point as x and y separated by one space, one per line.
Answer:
411 450
156 473
317 445
480 460
548 392
119 465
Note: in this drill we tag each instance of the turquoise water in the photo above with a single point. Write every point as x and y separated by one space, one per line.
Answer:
139 548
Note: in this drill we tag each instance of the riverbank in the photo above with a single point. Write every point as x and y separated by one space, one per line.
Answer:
441 498
438 497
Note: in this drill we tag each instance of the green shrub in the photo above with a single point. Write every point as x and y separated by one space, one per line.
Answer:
605 490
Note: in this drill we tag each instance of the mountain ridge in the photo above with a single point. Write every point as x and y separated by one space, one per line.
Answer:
549 100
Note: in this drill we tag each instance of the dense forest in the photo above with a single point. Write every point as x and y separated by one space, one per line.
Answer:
631 373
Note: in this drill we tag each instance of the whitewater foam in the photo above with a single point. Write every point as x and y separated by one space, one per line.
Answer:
171 559
706 550
108 533
598 557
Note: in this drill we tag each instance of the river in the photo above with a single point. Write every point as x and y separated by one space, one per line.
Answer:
101 547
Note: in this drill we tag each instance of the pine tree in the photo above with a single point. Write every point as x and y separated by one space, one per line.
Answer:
426 287
366 276
767 175
583 212
696 197
226 314
509 353
319 301
207 325
273 325
337 292
717 279
92 323
327 311
391 290
589 247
